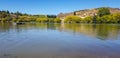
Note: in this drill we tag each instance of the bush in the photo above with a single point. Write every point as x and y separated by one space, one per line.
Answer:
14 20
88 19
51 20
57 20
72 19
116 18
42 20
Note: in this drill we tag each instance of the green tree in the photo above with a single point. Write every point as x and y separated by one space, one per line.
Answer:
42 20
57 20
72 19
116 18
103 11
51 20
88 19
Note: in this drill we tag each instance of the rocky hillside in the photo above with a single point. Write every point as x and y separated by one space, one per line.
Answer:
86 12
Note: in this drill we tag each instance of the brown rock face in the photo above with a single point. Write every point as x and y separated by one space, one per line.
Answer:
85 13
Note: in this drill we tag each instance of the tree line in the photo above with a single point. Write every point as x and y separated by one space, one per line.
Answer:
6 16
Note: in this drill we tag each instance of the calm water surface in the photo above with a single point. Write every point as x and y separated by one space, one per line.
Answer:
59 40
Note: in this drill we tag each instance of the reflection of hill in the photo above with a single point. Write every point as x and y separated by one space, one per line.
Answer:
102 31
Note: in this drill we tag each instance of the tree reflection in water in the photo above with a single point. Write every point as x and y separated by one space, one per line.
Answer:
100 31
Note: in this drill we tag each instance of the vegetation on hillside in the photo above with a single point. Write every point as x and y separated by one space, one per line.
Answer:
103 16
103 11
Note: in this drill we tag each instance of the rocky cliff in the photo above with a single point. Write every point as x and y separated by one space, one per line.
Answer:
86 12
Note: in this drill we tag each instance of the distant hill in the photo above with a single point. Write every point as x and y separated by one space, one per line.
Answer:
86 12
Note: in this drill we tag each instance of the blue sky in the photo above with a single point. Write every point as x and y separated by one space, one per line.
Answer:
54 6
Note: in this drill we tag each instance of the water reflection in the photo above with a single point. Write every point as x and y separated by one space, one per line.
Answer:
35 40
100 31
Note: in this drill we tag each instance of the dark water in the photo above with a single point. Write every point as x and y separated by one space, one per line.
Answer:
59 40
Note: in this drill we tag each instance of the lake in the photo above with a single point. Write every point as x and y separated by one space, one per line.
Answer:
35 40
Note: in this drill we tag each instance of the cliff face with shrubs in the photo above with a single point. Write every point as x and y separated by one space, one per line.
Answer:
86 12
